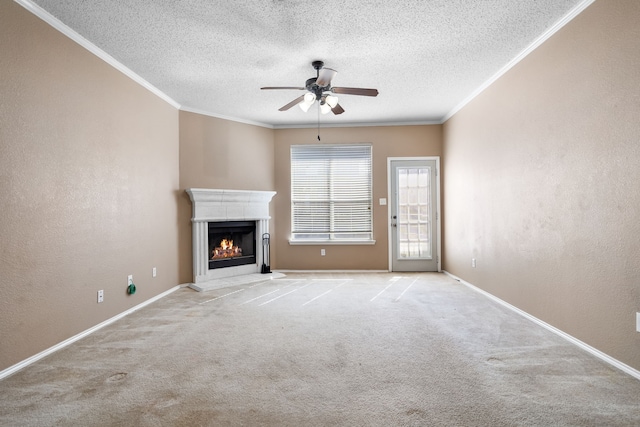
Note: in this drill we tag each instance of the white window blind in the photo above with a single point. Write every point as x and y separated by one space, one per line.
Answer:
331 194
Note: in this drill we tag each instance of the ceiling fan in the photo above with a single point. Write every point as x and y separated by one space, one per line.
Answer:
319 89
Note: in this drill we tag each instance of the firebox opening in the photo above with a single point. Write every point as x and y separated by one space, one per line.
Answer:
232 243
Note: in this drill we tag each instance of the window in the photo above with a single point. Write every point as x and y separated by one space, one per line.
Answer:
331 195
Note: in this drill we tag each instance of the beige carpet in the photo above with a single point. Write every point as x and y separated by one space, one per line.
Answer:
322 350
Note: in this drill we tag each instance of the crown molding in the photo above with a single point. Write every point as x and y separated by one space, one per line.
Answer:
220 116
309 125
358 124
64 29
533 46
73 35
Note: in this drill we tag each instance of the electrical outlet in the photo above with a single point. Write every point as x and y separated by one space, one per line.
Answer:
153 272
322 252
100 296
473 262
130 279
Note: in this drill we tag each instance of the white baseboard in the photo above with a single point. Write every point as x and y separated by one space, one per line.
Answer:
332 271
20 365
594 351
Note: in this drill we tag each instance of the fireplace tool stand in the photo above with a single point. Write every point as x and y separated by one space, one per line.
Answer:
266 262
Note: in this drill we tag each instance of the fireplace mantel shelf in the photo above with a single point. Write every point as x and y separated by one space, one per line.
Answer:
229 205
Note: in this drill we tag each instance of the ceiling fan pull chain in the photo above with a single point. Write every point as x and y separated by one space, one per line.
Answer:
318 122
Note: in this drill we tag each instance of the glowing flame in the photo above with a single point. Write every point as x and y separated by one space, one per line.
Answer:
226 250
226 244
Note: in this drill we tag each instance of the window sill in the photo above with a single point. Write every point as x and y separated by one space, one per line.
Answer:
332 242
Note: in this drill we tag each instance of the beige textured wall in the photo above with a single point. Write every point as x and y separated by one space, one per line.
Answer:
88 174
221 154
541 180
392 141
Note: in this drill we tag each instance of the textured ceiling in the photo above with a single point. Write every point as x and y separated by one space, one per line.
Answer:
424 56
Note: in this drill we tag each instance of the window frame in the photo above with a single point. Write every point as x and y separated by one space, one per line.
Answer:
331 240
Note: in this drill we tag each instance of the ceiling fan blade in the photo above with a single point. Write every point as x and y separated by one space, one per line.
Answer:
355 91
325 76
283 87
296 101
337 109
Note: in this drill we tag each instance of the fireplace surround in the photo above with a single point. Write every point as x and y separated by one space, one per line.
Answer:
235 206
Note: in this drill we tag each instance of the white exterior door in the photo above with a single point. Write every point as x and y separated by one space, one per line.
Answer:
414 209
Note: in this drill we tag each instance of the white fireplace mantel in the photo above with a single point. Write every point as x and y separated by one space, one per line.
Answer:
229 205
212 205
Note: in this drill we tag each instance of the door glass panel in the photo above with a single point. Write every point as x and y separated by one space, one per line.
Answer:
414 200
403 214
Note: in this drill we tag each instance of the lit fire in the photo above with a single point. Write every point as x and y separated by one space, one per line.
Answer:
226 250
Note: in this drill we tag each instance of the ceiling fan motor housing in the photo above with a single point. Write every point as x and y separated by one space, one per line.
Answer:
311 83
315 89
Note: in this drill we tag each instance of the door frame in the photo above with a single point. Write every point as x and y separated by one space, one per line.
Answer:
438 214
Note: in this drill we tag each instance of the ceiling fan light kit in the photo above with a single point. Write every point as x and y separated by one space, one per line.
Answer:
319 89
307 102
